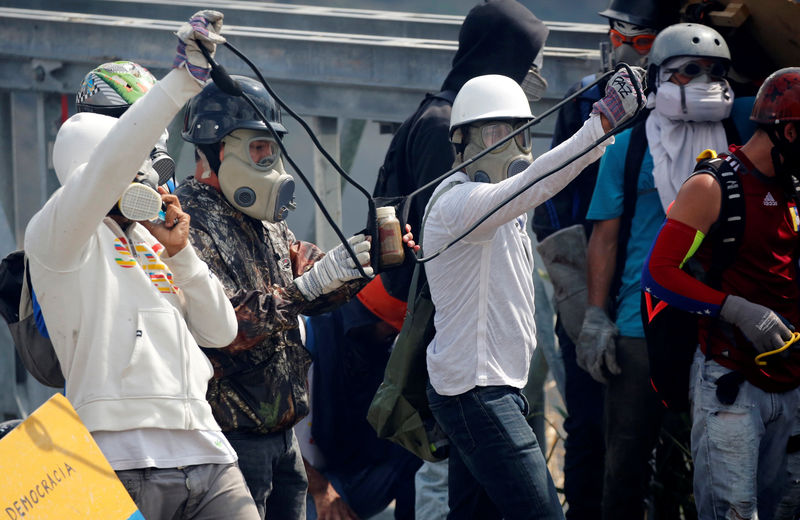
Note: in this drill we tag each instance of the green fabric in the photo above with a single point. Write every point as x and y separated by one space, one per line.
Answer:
399 411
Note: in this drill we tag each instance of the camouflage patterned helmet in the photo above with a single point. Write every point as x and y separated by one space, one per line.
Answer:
112 87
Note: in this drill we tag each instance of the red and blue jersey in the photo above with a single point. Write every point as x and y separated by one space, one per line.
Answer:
763 272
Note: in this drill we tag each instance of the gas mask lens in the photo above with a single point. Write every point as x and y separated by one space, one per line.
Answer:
492 133
263 152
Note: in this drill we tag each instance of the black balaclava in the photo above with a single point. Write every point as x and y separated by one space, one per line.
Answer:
497 37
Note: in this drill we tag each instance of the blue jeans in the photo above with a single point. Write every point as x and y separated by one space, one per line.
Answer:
370 489
739 450
430 488
497 469
273 469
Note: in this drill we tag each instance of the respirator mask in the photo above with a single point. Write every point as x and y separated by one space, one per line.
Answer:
252 177
501 163
163 164
630 43
141 200
534 85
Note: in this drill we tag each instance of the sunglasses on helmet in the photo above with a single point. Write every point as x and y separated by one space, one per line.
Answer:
715 69
640 42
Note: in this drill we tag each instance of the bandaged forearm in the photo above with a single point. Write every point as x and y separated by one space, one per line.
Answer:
663 276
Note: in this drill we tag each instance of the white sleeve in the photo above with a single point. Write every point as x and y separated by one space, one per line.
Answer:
482 198
57 235
207 310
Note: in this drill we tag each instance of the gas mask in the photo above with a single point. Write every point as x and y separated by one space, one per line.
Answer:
534 85
252 177
163 164
141 200
630 43
509 159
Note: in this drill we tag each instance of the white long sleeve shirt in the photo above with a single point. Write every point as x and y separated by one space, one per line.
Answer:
482 286
124 318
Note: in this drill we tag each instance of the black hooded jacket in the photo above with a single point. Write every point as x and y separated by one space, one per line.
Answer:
497 37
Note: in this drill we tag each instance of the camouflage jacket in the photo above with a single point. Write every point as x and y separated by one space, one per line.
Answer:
259 382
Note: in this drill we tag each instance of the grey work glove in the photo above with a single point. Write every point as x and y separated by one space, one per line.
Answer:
596 347
203 28
335 268
760 325
622 99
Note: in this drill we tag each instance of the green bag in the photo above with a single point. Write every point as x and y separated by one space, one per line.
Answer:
399 411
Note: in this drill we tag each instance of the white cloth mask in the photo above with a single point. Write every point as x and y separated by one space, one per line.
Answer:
696 101
677 136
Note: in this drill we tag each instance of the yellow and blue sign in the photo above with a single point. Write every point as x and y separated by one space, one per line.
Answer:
50 467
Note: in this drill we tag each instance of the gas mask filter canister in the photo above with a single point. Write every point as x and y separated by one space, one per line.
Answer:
141 200
252 177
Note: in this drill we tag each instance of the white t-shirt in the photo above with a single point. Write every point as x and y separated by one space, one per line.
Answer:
482 287
157 448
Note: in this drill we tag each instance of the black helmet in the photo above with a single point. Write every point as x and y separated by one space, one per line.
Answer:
112 87
656 14
213 114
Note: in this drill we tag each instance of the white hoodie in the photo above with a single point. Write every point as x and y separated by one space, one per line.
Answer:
125 319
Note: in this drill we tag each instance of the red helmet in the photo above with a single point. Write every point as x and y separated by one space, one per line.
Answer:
778 99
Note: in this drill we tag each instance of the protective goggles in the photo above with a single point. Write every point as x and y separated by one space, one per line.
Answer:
264 152
715 70
641 42
493 132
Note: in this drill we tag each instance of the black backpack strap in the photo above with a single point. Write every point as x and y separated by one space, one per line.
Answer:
633 166
727 232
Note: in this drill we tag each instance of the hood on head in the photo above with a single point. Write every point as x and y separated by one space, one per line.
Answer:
497 37
76 140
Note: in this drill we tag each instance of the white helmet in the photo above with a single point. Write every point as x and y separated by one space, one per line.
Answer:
499 104
76 140
489 97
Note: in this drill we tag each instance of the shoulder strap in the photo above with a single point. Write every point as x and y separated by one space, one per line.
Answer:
433 201
418 278
728 231
633 166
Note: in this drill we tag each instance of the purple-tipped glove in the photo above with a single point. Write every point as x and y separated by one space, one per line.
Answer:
621 100
203 28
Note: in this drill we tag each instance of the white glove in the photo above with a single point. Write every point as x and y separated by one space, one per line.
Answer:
596 347
622 99
335 268
203 28
760 325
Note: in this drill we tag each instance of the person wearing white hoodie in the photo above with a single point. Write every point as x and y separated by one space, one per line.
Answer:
126 303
